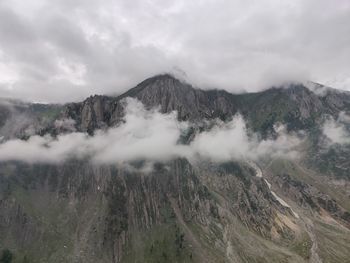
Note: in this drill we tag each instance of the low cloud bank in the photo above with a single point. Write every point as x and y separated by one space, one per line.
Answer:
151 136
337 130
228 141
13 119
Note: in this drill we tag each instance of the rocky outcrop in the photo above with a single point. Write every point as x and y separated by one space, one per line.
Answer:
96 112
308 196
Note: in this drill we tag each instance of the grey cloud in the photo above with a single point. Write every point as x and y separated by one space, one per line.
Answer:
85 47
14 29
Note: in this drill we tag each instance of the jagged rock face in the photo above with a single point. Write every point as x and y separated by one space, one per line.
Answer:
190 103
338 102
308 103
332 160
96 211
309 196
95 112
295 106
335 99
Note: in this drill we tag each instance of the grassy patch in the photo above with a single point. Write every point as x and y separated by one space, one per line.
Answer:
164 243
302 246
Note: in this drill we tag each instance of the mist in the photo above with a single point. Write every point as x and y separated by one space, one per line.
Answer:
150 136
337 130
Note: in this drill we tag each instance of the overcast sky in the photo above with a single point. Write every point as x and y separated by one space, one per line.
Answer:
64 50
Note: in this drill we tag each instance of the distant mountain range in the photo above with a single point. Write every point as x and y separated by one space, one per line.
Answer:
270 209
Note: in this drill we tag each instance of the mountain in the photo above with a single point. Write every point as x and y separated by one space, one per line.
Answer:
271 210
296 105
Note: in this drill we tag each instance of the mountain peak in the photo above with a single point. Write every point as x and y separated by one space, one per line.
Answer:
161 81
164 76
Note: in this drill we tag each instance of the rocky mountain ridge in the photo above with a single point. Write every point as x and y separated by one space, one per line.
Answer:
296 104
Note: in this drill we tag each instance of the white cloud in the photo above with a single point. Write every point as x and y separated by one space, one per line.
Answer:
151 136
336 130
231 141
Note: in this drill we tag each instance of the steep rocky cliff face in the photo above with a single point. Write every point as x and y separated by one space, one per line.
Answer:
180 211
78 212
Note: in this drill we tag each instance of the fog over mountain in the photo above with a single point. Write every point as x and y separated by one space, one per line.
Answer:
59 51
337 130
152 136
